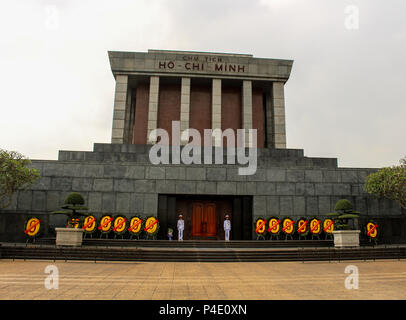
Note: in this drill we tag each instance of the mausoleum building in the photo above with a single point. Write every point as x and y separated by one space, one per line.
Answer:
198 90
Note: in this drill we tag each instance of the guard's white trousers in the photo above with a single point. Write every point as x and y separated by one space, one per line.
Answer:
227 232
180 235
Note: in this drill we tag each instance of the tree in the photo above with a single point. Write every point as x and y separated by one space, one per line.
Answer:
389 182
74 203
343 213
14 175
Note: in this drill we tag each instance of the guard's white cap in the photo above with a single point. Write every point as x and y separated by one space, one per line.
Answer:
227 216
180 216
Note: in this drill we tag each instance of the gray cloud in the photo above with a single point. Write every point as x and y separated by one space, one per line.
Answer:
345 97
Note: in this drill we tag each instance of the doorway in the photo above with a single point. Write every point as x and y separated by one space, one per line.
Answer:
204 220
204 216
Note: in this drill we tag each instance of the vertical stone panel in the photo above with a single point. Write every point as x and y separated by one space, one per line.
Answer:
278 104
185 105
216 98
270 141
247 109
153 106
258 116
120 102
127 119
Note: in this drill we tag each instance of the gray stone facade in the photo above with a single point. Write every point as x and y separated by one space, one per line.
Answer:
119 179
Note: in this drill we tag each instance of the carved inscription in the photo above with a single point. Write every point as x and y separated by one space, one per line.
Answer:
202 63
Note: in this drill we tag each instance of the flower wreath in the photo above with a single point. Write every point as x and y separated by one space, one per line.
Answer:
328 226
303 227
274 226
106 224
33 227
371 229
151 226
136 225
315 229
288 226
89 224
260 226
120 224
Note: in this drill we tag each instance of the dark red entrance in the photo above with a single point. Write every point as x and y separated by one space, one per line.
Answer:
204 220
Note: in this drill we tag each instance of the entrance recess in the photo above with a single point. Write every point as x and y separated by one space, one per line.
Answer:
204 216
204 220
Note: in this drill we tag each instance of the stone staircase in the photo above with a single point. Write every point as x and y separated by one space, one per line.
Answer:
193 251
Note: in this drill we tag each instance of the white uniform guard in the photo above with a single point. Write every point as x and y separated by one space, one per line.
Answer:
227 227
181 227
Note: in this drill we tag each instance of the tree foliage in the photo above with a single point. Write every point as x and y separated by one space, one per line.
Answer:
343 205
343 213
73 208
14 175
389 182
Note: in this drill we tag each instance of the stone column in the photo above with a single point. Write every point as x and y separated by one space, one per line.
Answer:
120 102
129 119
185 106
216 105
153 107
247 109
279 124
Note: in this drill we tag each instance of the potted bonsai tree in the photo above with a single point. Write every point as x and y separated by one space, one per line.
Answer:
345 234
74 209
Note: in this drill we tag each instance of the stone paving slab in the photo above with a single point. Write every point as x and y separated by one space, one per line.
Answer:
202 281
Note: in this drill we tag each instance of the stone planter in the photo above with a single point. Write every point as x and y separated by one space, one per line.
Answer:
69 237
346 238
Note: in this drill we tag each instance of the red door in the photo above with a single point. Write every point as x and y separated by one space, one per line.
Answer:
204 220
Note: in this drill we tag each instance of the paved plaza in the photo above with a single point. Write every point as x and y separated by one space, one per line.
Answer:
202 281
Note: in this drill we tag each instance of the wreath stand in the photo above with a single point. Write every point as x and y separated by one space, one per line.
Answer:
28 240
259 236
275 235
302 236
87 234
374 240
107 235
151 237
288 235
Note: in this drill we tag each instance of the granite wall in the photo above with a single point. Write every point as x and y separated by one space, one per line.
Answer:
119 179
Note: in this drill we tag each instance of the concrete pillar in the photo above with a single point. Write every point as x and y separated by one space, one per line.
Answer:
278 115
216 105
247 109
185 106
153 107
119 113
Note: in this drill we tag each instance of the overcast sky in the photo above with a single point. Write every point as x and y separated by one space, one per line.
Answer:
345 97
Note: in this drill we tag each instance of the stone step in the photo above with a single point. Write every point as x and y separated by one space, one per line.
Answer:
48 252
198 243
265 158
